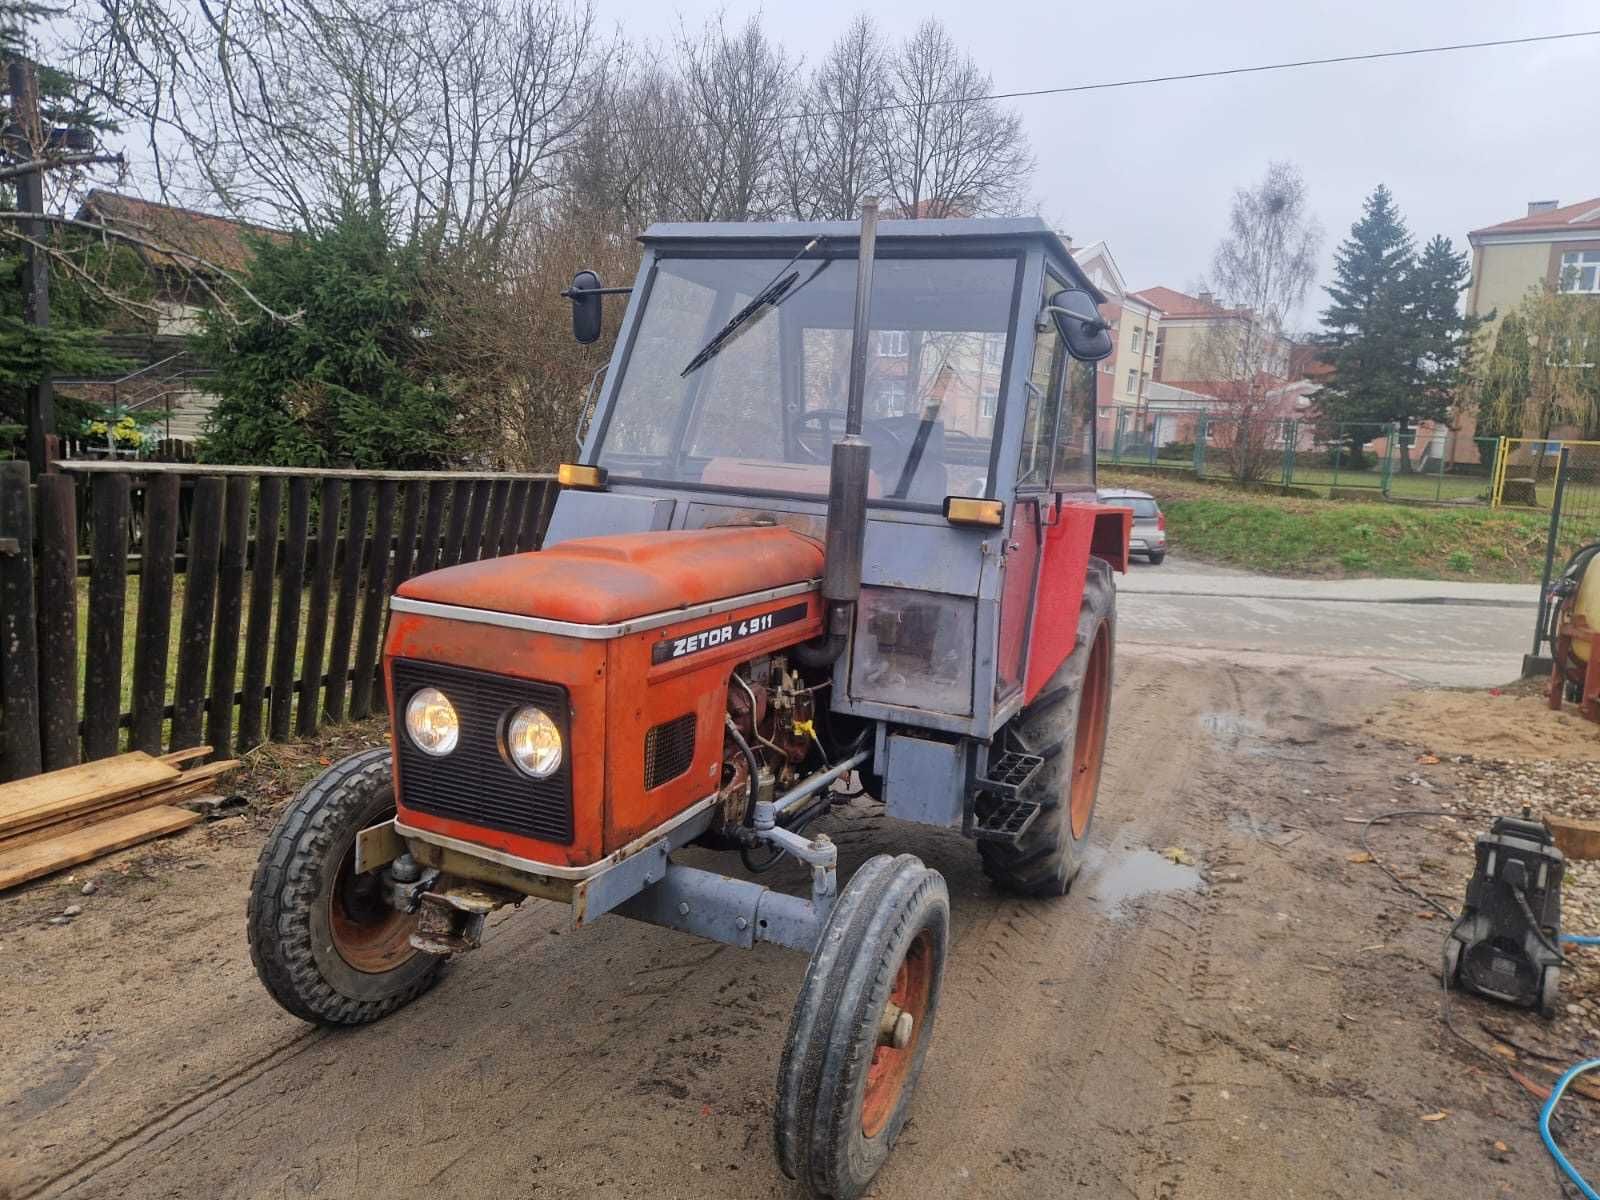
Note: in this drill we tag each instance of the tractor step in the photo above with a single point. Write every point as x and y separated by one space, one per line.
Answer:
1007 821
1009 774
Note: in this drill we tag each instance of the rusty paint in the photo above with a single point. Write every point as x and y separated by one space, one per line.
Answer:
481 870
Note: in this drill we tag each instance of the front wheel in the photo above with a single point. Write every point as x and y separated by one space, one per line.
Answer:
325 941
1066 725
861 1027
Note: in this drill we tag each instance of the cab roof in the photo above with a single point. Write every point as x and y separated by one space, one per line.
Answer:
1023 232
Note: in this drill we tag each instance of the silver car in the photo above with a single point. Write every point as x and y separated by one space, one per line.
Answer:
1149 536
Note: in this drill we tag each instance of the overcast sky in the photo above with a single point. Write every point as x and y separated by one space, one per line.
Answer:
1463 140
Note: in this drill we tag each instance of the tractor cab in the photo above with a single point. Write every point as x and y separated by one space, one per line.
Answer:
832 534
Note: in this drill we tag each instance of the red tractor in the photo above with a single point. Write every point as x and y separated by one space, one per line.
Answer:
834 516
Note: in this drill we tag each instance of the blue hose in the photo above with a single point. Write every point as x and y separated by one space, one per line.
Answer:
1579 939
1544 1127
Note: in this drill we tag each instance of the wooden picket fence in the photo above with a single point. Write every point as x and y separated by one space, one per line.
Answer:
285 576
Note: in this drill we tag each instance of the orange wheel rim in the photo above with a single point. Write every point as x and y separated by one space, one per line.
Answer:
886 1076
1088 746
368 934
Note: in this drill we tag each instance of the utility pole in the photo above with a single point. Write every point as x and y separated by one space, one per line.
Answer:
27 140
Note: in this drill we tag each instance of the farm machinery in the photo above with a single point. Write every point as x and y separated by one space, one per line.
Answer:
833 525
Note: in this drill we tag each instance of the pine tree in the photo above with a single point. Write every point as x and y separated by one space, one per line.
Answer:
1443 334
1369 331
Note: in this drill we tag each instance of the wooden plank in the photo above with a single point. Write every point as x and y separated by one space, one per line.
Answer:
96 467
511 526
428 551
405 550
63 793
1575 838
528 529
199 609
472 543
108 590
310 713
499 496
154 631
344 618
456 531
19 664
372 606
81 845
170 791
287 635
269 509
179 757
58 621
547 504
230 606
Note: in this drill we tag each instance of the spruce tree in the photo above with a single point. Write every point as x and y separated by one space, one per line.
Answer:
1443 334
1369 332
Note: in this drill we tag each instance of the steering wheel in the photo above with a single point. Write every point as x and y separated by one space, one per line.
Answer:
826 426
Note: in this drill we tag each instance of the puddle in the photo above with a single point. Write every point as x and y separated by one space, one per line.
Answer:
1122 877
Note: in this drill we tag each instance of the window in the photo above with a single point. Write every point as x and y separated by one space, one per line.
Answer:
891 398
1075 443
1044 398
1133 380
894 343
1580 271
994 351
1138 340
988 401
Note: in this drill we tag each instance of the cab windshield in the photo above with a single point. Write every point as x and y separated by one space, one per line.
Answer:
762 411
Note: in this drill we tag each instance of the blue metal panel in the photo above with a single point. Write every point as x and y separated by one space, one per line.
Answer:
589 514
928 558
923 780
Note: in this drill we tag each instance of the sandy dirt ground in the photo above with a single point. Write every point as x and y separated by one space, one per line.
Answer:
1261 1023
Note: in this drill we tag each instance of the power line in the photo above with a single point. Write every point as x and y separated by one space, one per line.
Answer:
1142 81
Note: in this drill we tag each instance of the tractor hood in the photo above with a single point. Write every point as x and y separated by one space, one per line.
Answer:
604 580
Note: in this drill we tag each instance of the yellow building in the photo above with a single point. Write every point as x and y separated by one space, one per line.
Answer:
1121 380
1553 245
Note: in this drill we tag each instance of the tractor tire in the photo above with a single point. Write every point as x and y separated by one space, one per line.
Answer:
1066 723
847 1075
327 947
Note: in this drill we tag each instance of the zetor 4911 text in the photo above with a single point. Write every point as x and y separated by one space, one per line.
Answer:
833 527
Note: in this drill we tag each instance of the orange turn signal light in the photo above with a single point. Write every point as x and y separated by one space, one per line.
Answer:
577 475
963 510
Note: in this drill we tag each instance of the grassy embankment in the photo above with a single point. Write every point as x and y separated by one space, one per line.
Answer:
1287 535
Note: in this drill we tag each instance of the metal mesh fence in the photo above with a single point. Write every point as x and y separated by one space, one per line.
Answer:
1348 458
1572 478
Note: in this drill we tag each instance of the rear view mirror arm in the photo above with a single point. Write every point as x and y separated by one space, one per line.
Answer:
1092 324
572 293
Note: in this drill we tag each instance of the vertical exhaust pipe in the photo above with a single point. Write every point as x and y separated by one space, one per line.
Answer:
847 481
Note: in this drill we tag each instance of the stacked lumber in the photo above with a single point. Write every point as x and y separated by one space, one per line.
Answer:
62 818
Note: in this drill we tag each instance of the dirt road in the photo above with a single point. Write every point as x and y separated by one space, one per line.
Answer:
1262 1024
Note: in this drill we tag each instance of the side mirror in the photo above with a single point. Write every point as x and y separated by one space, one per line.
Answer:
1087 334
585 296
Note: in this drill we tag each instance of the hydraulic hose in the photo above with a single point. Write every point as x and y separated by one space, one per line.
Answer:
1545 1114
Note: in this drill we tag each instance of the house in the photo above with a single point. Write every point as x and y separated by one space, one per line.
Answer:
1121 379
186 249
1553 245
1187 323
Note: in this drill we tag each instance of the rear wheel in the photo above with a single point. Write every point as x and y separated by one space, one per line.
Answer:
861 1028
325 941
1157 557
1066 723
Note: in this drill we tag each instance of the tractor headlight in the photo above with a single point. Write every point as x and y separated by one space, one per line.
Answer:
534 742
431 722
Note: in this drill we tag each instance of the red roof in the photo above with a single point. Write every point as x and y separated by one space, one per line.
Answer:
1178 304
219 240
1583 215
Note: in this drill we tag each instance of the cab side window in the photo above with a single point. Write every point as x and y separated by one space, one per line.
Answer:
1044 403
1074 460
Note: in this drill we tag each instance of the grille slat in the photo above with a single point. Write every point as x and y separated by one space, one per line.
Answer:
668 750
475 783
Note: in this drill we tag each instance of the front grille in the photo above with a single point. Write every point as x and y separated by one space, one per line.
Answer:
668 750
476 782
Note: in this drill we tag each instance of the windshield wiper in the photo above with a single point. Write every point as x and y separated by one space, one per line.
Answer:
769 296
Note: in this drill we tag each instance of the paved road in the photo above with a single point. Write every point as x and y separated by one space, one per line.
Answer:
1455 634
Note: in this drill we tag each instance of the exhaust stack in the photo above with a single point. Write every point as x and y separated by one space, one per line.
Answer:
850 471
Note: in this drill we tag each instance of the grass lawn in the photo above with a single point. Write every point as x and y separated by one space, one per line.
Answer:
1285 535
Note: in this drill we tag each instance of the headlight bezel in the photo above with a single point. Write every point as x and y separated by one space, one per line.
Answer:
431 696
538 718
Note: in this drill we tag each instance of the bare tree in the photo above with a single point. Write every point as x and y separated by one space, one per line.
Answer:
1261 271
740 87
446 115
831 151
946 150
